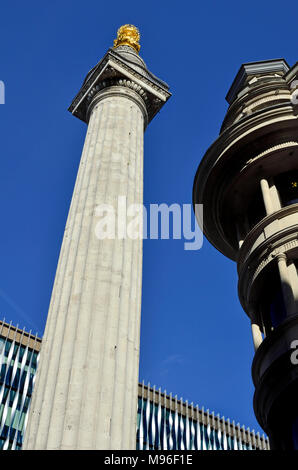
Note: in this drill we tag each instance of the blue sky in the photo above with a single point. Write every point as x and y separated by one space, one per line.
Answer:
195 338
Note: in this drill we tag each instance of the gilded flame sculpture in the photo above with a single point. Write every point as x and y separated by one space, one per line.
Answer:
128 35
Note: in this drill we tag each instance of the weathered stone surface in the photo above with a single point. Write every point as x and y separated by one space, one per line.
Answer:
86 387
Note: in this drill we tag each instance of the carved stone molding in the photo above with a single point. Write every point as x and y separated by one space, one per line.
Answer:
116 82
117 70
253 235
272 248
270 150
118 90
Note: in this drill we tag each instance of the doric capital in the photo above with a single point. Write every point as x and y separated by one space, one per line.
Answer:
121 67
118 89
281 256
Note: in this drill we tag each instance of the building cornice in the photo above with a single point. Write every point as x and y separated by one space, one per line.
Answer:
20 336
252 69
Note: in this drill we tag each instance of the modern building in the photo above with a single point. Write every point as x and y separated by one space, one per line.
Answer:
163 421
86 386
248 184
166 423
19 351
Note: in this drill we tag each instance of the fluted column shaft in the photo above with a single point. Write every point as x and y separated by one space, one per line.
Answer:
85 395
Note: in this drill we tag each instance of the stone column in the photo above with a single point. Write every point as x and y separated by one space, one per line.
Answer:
266 196
274 196
256 335
285 282
85 396
88 375
292 270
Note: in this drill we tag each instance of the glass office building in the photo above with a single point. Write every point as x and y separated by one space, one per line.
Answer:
164 422
18 361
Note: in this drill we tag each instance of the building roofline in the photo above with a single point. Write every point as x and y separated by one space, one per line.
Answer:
199 414
20 336
255 68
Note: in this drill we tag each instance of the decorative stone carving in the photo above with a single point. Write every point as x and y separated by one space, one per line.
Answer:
121 67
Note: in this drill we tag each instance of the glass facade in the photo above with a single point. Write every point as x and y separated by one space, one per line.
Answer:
165 423
18 363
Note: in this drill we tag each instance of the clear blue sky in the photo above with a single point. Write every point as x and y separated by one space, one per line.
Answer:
195 339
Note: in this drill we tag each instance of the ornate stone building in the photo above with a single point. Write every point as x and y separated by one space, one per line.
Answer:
248 183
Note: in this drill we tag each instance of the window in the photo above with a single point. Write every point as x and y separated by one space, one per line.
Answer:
272 305
295 433
287 185
256 209
277 309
